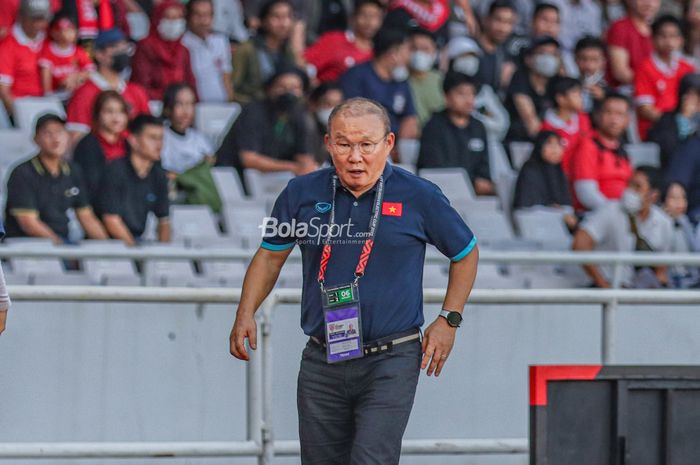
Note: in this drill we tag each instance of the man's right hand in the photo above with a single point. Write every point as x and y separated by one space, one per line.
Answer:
244 327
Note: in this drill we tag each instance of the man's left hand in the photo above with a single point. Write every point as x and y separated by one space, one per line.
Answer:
437 345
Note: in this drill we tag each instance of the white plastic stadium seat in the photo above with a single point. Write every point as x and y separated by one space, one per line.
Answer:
169 273
489 225
519 153
454 183
215 119
266 185
190 222
224 273
28 109
228 184
243 224
435 275
644 153
16 146
408 151
544 225
110 271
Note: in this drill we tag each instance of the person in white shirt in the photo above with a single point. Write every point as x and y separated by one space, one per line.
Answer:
210 53
635 223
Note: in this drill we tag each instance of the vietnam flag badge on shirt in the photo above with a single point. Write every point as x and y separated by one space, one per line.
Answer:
392 208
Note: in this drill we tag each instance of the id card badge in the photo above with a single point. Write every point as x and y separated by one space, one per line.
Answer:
341 312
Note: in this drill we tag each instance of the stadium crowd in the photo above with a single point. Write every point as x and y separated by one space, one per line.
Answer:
465 82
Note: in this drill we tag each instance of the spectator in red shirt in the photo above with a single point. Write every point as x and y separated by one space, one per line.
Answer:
10 14
335 52
64 65
600 168
161 59
112 56
656 82
567 118
19 69
629 41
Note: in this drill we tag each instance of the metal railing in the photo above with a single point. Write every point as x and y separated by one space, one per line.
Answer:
260 441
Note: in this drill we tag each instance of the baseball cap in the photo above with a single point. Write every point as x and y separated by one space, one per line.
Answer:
458 46
35 9
45 119
109 37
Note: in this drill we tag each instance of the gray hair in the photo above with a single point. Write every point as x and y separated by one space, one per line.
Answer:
360 106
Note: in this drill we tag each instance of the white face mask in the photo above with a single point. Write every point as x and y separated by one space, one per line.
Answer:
422 61
631 201
545 64
468 65
400 73
323 115
172 29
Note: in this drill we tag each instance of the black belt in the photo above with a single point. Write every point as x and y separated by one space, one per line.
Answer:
379 346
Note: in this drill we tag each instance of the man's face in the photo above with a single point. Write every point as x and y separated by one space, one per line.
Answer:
640 184
348 139
52 139
279 22
104 56
590 61
148 143
572 100
33 26
367 21
460 100
201 18
286 84
401 55
668 40
499 26
423 43
546 23
614 118
646 9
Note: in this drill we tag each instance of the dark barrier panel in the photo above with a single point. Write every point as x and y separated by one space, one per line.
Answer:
614 415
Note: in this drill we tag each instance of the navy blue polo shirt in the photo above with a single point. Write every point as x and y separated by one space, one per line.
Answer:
391 291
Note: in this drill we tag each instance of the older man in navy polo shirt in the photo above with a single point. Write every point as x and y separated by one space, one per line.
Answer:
362 227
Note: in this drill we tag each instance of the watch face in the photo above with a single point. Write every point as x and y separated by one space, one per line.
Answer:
454 318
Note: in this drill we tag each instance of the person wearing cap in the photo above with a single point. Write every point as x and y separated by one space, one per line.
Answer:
496 65
64 65
272 134
160 58
526 99
385 79
455 139
466 57
112 57
357 384
41 190
19 68
425 81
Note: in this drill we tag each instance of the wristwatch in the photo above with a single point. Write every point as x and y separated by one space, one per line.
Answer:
454 319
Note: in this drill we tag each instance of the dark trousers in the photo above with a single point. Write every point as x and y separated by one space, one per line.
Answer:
355 412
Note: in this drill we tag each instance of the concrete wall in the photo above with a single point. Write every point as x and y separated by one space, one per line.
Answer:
144 372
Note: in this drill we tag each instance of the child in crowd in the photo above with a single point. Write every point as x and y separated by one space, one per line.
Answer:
64 65
589 55
567 118
658 77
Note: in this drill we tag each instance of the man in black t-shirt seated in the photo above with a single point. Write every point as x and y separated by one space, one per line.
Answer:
453 138
136 185
41 190
272 134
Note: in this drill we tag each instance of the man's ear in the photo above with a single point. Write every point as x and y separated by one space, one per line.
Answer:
654 196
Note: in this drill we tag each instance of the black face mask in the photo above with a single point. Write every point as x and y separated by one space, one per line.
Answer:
120 61
285 102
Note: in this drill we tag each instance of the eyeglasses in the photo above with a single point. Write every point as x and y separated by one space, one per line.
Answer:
366 147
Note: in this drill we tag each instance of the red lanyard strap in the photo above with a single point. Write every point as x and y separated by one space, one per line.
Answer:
369 242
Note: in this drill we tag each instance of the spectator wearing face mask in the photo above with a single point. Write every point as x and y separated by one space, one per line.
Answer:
272 134
526 99
337 51
546 21
322 100
112 57
425 81
633 224
161 59
675 127
466 57
686 236
385 80
589 55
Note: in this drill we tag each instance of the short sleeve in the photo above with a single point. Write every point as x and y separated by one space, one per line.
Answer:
20 195
247 132
85 63
410 109
281 213
616 35
44 60
7 68
162 206
79 110
445 228
82 200
644 87
585 162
